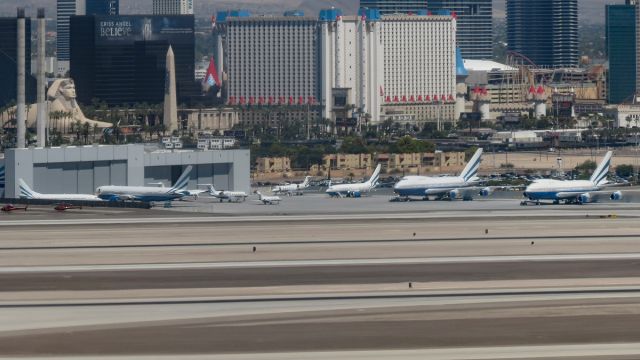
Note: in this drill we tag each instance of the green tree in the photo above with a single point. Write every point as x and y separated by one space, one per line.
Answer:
407 145
624 170
353 145
586 168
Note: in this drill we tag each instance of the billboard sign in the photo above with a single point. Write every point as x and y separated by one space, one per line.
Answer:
121 29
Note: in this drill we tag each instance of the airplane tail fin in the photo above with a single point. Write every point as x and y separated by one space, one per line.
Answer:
25 191
183 180
210 189
373 180
306 182
259 194
602 170
471 170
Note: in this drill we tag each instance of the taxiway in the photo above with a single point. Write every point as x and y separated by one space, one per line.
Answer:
317 277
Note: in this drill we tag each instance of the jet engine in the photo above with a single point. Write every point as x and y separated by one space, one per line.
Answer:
486 192
617 196
585 198
454 194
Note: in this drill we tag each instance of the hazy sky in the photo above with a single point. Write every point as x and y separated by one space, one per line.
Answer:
591 10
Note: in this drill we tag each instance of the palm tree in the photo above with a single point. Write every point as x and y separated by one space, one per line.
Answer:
85 132
78 130
95 131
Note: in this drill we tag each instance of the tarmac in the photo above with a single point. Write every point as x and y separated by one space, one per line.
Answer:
318 278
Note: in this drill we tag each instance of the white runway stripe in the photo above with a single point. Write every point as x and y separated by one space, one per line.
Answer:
343 262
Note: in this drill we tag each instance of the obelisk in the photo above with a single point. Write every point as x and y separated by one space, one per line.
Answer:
170 119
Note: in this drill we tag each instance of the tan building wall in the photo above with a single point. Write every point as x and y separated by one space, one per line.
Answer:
348 161
212 119
361 165
419 162
273 165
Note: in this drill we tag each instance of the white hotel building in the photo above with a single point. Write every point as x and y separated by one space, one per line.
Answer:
351 78
271 60
399 67
419 67
172 7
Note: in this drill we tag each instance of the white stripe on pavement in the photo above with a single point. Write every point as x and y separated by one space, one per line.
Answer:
337 262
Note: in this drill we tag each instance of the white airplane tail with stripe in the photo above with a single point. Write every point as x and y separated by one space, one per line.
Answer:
373 180
600 175
26 192
471 170
182 182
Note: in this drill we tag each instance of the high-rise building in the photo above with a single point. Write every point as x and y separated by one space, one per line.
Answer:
544 31
9 63
395 6
351 62
103 7
272 60
419 67
621 34
65 10
173 7
121 59
475 25
368 67
637 4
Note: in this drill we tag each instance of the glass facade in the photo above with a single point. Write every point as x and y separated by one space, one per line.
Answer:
394 6
621 40
544 31
65 9
103 7
8 64
121 59
475 26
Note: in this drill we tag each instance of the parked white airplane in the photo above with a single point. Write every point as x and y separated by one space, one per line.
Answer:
573 191
27 193
147 193
451 187
268 200
194 193
292 189
231 196
357 189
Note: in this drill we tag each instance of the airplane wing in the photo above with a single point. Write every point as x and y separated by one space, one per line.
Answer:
122 197
568 195
468 193
591 196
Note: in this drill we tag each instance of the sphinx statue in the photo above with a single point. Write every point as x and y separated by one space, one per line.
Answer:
61 99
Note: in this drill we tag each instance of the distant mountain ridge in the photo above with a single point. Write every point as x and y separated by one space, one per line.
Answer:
591 11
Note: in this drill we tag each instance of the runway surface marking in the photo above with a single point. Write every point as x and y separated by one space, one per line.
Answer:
342 262
297 218
606 351
318 242
511 294
51 317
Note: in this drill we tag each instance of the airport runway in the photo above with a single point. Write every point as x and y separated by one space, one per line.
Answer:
368 279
